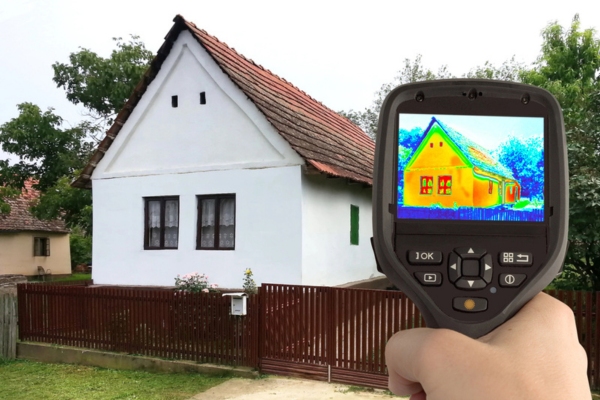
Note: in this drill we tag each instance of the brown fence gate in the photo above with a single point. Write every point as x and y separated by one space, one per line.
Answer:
331 334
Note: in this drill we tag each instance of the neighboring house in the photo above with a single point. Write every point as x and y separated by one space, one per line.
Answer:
450 170
216 165
27 243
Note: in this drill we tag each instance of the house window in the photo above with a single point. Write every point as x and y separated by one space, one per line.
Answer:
490 187
353 224
445 185
426 184
161 223
216 222
41 247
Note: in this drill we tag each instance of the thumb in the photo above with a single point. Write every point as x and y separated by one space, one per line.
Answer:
425 359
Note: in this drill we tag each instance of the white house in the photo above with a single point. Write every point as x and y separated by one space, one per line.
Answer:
216 165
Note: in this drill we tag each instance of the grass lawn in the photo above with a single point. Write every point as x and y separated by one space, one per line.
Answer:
20 379
77 276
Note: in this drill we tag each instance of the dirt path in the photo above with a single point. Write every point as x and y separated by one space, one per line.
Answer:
288 389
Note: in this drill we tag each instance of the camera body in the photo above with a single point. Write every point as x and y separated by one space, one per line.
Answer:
470 199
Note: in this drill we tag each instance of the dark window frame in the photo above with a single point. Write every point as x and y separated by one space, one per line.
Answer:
163 200
428 179
443 190
44 248
217 198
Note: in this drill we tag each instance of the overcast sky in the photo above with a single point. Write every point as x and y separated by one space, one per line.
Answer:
339 52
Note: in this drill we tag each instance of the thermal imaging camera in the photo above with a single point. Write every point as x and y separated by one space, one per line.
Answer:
470 198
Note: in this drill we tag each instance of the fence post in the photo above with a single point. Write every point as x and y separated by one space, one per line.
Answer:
8 326
8 314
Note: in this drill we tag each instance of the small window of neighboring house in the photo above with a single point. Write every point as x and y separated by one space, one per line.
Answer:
41 247
216 222
445 185
161 223
426 184
354 224
490 187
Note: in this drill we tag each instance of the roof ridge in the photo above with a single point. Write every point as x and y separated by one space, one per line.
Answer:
264 69
338 147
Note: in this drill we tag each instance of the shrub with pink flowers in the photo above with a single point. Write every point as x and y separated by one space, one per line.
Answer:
195 283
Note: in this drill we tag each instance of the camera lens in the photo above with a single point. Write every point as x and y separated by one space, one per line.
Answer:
420 96
525 99
472 95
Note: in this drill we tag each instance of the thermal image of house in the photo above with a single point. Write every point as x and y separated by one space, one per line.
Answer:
449 170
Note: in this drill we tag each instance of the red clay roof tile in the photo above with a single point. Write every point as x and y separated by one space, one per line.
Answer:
327 141
21 219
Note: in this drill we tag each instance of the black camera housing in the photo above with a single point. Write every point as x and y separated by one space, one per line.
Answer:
469 275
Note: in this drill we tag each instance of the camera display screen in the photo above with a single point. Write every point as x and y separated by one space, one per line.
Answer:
465 167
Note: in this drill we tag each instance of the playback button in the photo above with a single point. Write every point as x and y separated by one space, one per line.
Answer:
429 278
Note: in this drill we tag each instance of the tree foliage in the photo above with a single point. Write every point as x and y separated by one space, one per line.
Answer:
53 152
525 159
45 151
413 71
569 67
103 85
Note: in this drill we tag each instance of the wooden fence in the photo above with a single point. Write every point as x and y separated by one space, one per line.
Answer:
585 307
159 323
325 333
332 334
8 325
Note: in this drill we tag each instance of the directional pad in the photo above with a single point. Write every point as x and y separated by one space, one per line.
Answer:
470 268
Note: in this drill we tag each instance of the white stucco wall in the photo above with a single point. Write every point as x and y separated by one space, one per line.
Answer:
268 228
328 258
228 132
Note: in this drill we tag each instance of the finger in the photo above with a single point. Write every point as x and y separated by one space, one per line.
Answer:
417 358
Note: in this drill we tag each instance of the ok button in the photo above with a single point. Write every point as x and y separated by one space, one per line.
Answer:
424 257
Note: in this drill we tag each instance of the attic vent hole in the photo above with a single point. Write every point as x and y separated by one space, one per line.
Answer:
202 97
174 101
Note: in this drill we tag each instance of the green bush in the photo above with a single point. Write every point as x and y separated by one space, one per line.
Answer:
81 248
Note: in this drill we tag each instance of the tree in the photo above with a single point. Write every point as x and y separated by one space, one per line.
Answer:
413 71
46 152
103 85
510 70
53 154
525 158
569 68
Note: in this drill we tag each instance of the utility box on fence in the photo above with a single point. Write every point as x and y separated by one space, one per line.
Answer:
238 303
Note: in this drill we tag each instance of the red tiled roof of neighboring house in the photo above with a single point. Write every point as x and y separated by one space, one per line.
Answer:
21 219
328 142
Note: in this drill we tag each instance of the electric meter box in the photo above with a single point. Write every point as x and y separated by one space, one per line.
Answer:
238 303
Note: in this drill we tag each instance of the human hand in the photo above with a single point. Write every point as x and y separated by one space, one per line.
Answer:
534 355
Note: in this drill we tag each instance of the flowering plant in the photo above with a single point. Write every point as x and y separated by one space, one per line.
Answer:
195 283
249 284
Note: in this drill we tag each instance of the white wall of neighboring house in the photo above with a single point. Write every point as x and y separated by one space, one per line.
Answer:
328 258
268 228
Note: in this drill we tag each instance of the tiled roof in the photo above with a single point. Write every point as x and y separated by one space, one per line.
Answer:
328 142
477 155
21 219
